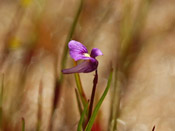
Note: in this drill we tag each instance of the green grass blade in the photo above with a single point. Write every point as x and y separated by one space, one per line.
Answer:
39 114
78 101
115 102
23 124
80 124
69 37
2 87
97 107
1 101
64 58
80 88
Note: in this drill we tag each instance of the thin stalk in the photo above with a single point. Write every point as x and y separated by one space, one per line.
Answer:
1 101
99 103
80 88
23 124
39 115
69 37
93 95
83 114
153 128
130 30
130 38
64 60
111 127
115 102
78 101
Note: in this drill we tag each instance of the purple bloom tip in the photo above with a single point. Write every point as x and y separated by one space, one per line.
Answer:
79 52
84 67
96 52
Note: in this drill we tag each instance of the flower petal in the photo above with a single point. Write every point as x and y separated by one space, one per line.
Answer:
77 50
96 52
84 67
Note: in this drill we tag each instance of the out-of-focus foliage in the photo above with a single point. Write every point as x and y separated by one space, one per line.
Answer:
136 38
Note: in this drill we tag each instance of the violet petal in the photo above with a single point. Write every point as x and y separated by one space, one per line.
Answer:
77 50
84 67
95 52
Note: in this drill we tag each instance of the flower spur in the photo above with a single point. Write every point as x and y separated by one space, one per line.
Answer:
79 52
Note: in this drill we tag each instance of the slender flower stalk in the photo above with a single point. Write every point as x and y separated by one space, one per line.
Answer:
98 105
93 95
80 88
78 101
79 52
23 124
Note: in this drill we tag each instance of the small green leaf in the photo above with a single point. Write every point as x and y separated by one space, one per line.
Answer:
80 124
97 107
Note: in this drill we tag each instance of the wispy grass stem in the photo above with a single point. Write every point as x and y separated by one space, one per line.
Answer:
97 107
64 60
93 95
69 37
1 102
80 88
23 124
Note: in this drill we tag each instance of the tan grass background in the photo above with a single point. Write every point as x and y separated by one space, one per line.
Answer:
32 39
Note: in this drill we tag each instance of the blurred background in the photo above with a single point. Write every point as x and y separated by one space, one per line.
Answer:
137 39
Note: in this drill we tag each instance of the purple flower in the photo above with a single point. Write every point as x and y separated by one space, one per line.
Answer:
79 52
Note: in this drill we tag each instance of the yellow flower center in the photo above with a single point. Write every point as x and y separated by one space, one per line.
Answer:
86 54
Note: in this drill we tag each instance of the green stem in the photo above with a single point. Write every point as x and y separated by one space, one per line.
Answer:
78 101
23 124
39 115
63 61
69 37
115 102
80 88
